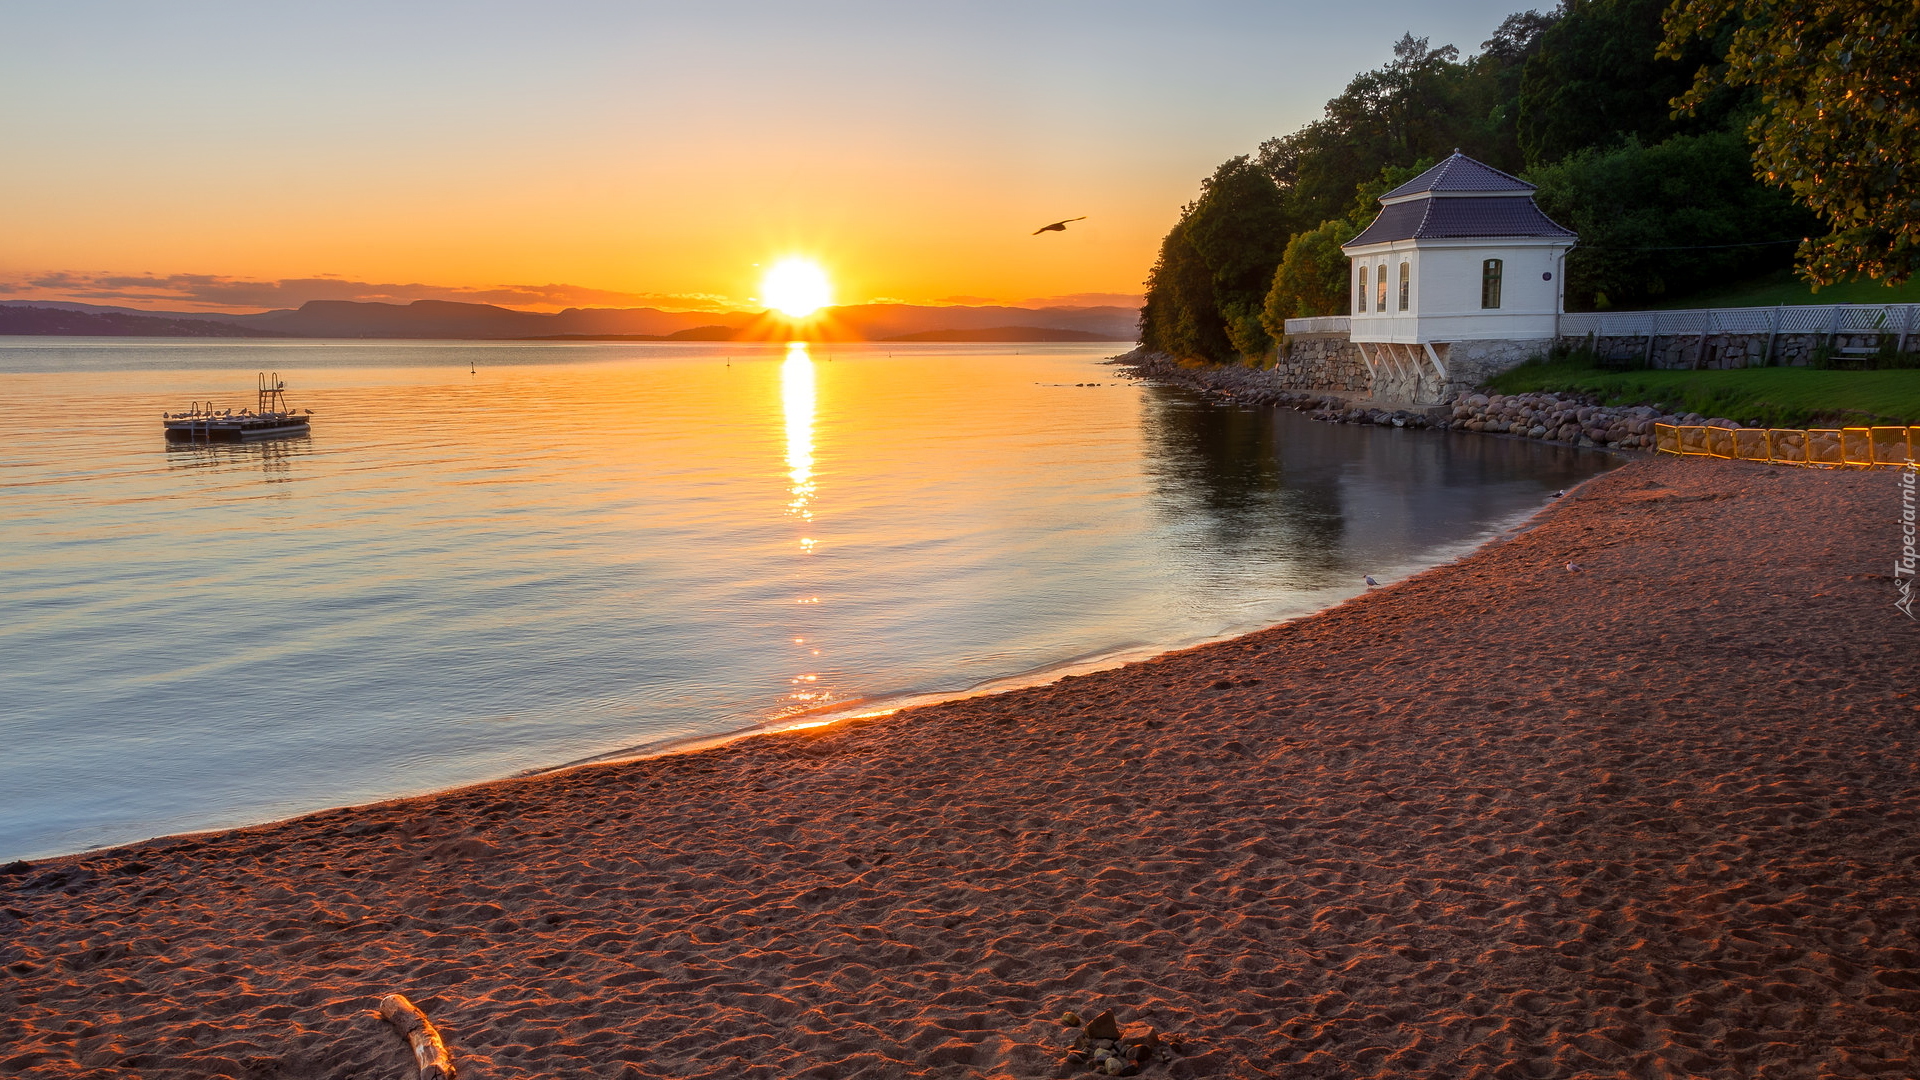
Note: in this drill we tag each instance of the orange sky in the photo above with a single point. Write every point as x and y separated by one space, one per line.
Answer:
250 156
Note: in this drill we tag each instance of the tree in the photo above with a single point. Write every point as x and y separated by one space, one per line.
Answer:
1595 78
1662 221
1205 292
1312 276
1180 317
1422 103
1311 279
1839 126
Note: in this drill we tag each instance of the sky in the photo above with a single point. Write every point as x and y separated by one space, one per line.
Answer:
245 156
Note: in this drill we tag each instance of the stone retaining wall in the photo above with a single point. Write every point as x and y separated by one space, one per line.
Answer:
1720 351
1321 364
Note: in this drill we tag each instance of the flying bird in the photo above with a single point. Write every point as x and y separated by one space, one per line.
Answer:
1058 226
1368 578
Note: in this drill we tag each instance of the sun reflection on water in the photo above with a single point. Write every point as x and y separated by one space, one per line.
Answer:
799 399
797 394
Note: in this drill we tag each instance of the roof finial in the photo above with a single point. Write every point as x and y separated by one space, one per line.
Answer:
1456 151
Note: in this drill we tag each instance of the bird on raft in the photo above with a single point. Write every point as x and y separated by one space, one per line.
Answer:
1058 226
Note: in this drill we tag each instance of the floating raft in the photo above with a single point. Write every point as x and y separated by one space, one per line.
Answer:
272 419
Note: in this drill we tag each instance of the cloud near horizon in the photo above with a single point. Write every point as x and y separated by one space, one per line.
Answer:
217 292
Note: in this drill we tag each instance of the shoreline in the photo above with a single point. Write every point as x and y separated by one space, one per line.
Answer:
1572 419
1653 815
876 706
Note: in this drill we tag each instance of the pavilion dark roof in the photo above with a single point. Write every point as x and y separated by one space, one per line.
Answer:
1460 173
1491 217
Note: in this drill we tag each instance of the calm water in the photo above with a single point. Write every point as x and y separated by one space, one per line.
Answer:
577 550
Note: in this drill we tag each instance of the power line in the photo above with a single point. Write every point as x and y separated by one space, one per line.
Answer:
1715 247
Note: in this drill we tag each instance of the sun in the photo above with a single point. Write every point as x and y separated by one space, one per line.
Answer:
796 287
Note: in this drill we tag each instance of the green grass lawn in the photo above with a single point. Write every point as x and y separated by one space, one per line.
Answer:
1777 397
1782 287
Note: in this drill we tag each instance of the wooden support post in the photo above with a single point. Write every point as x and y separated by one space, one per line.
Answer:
1435 357
428 1049
1368 360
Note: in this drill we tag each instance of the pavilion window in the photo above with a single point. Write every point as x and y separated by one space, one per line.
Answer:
1406 283
1380 289
1490 283
1360 294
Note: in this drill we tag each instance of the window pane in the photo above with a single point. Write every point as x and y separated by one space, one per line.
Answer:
1380 289
1406 283
1490 283
1360 294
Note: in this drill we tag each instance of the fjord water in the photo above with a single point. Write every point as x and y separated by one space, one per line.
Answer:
493 558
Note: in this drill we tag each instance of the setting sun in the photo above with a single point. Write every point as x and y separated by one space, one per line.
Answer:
796 287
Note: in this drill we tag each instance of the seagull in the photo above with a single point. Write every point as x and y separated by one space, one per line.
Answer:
1557 494
1058 226
1573 568
1368 578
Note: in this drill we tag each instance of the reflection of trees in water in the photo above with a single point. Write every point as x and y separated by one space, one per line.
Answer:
1222 471
1272 486
273 457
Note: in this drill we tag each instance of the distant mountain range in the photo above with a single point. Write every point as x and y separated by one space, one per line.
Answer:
446 319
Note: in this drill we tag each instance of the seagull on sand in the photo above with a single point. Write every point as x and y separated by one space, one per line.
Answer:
1557 494
1573 568
1058 226
1368 578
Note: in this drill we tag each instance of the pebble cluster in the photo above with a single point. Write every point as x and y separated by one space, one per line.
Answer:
1104 1049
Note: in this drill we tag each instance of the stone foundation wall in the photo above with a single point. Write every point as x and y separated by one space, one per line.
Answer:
1720 351
1321 364
1332 364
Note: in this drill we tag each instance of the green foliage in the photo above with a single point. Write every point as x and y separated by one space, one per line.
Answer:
1777 397
1312 276
1180 317
1666 220
1424 103
1782 286
1594 81
1205 293
1839 84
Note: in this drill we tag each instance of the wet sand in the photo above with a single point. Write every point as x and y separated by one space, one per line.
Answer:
1656 817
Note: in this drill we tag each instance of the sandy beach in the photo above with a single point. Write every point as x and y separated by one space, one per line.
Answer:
1653 817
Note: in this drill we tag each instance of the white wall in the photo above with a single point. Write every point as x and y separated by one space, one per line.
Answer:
1444 298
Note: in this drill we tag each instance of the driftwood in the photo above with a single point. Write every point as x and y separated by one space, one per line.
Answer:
428 1049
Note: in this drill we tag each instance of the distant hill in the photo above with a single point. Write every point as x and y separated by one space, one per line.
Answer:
1004 333
20 319
698 333
880 322
446 319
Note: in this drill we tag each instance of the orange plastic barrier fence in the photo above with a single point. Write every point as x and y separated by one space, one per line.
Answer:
1857 447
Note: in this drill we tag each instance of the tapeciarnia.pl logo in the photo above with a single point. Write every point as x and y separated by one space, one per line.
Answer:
1904 566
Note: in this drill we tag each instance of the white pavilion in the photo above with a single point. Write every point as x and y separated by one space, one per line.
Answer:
1458 277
